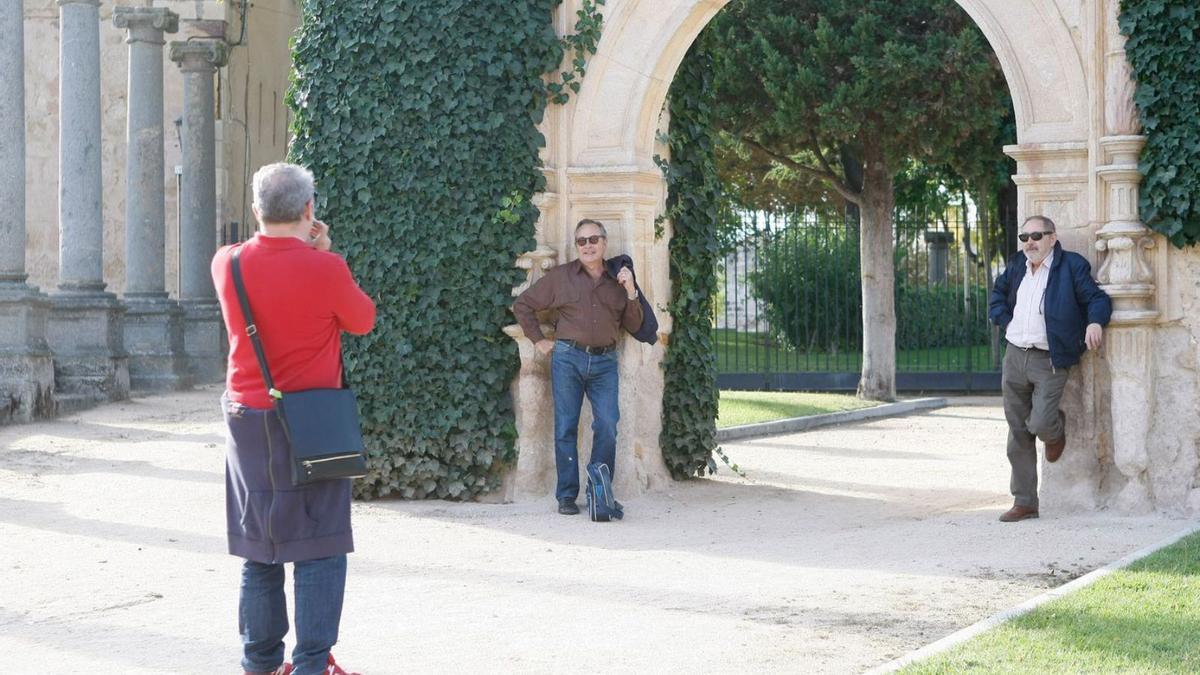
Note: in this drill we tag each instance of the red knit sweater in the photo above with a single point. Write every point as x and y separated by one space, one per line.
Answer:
302 300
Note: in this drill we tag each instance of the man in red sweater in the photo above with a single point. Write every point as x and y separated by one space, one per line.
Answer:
303 297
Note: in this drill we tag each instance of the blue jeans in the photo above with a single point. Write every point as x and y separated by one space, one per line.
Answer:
262 613
574 373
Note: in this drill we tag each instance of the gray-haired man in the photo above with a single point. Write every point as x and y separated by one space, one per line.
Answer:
303 297
1051 311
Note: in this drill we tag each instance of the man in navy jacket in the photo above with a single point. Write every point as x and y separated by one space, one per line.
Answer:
1051 311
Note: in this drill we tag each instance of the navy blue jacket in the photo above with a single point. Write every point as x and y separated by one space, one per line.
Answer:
648 333
1073 300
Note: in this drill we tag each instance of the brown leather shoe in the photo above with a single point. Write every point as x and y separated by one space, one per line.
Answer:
1054 449
1018 512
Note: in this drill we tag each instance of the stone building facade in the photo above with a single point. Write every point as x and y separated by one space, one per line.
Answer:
102 94
70 272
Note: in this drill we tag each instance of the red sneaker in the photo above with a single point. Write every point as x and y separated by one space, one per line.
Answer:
334 669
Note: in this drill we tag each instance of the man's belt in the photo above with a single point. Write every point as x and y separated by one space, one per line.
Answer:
1030 348
594 351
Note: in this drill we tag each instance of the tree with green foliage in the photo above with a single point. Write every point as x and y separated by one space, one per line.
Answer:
825 87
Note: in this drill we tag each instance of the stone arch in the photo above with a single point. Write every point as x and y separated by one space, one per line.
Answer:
1077 150
600 163
644 41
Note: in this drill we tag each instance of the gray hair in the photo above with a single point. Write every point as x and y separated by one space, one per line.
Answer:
1047 224
589 221
281 190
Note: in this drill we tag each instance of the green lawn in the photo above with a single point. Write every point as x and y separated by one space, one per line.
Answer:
742 352
748 407
1144 619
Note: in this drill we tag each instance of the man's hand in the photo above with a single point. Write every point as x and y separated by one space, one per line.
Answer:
625 278
319 236
1093 336
545 346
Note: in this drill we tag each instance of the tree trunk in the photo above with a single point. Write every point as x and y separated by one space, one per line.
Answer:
876 246
989 238
852 169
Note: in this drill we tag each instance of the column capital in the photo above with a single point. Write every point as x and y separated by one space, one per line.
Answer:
1126 247
93 3
145 24
199 56
1121 150
535 263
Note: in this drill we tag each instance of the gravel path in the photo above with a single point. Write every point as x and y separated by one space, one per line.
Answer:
844 547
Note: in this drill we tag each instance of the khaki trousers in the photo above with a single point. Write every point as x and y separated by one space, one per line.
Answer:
1033 388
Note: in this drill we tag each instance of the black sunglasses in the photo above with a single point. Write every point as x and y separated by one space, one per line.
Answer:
1036 236
594 239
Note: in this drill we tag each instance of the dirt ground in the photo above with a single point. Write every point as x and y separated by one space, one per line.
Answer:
844 547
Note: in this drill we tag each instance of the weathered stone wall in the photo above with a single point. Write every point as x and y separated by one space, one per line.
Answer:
1173 442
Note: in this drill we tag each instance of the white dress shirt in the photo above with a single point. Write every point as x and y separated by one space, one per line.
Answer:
1028 326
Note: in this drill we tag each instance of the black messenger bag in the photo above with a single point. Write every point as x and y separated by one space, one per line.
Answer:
321 424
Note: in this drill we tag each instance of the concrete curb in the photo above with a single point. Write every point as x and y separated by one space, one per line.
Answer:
959 637
794 424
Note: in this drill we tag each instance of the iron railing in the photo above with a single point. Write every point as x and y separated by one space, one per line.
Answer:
788 309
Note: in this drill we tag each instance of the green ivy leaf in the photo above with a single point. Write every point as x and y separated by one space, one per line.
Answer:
1161 49
423 146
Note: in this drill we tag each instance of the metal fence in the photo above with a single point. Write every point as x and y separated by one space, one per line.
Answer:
788 314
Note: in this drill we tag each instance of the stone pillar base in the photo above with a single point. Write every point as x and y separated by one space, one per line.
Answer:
534 475
154 340
26 365
90 364
204 340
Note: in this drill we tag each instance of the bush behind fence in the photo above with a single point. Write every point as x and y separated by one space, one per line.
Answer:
808 282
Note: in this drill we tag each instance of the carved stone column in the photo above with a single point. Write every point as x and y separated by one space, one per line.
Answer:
26 368
203 332
1123 241
534 474
84 331
153 322
1126 271
1127 276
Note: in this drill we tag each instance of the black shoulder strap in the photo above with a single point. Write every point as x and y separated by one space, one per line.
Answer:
251 329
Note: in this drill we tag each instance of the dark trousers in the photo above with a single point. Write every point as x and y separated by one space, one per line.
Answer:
1033 389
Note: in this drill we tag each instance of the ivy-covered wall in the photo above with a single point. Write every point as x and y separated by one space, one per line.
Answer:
419 120
688 437
1163 47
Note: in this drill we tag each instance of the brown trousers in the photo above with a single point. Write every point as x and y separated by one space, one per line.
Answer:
1033 388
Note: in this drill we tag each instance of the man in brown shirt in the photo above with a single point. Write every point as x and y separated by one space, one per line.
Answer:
593 306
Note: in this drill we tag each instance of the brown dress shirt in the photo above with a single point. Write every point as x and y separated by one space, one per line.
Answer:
590 311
